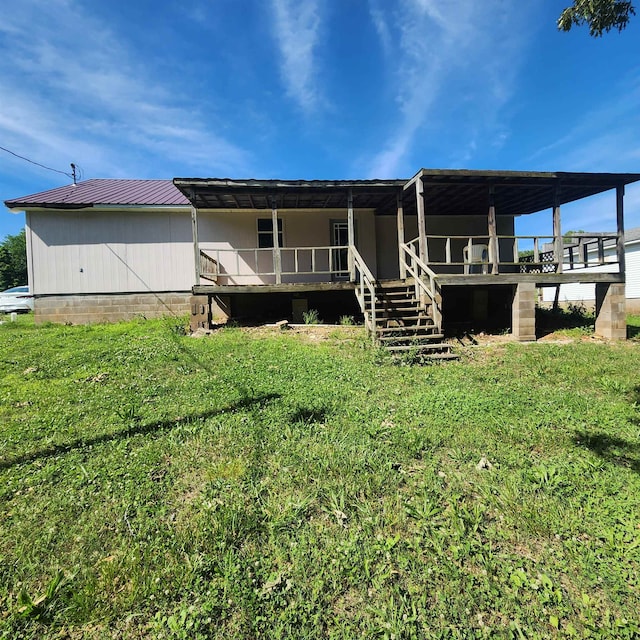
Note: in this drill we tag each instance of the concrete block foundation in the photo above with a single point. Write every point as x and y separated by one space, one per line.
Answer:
611 319
524 312
109 307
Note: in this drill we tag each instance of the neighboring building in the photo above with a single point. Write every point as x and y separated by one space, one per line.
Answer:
583 293
439 249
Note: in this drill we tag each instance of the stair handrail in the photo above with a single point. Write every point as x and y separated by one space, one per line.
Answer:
364 280
425 279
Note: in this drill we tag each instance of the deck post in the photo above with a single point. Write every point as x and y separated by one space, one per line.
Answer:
422 227
277 264
400 216
620 238
493 233
523 312
611 318
351 236
194 232
558 244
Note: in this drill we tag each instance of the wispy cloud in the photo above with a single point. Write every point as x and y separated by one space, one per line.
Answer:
599 212
600 139
454 65
74 91
297 32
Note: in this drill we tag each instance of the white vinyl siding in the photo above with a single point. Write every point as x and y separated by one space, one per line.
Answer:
110 252
224 230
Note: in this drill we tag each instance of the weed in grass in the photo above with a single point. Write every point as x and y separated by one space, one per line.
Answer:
311 316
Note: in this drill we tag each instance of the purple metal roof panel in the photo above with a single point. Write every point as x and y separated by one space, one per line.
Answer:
105 192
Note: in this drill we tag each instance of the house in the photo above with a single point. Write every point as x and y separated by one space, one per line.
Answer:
598 254
412 256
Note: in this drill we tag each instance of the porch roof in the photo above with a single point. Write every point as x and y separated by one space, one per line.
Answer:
462 191
216 193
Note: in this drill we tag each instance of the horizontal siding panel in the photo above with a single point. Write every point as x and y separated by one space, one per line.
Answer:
80 252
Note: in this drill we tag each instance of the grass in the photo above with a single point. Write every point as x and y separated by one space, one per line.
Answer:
258 484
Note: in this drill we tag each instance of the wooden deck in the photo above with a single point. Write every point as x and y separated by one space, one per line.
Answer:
456 280
539 279
290 287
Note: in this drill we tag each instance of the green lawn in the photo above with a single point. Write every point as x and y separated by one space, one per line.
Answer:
257 484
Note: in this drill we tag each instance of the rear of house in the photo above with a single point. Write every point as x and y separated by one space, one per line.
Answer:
422 254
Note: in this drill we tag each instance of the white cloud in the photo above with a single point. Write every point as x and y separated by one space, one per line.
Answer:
76 92
457 60
602 139
297 32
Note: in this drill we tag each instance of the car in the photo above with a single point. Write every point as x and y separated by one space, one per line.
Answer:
16 299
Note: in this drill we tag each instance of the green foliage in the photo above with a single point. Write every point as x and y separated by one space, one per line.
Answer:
263 484
13 261
600 15
311 317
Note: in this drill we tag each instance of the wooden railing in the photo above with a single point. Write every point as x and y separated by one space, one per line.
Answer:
425 280
526 254
330 261
208 267
583 250
365 290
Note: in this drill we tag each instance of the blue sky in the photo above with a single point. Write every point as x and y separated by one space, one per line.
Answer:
314 89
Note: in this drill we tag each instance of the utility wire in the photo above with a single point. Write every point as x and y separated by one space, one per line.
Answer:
64 173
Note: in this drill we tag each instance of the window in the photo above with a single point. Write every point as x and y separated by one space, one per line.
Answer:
265 233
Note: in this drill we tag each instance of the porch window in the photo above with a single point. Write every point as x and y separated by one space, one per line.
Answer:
265 233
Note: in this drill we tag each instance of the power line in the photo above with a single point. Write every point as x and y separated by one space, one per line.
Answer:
64 173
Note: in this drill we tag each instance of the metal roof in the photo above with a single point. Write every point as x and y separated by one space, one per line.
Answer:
215 193
96 192
446 192
462 191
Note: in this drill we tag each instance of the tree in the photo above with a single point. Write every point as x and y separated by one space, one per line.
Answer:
13 261
600 15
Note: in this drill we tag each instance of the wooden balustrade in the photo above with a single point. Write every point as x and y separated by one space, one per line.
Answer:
525 253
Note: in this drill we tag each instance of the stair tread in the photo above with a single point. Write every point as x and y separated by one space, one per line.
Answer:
434 356
411 331
403 317
425 339
417 347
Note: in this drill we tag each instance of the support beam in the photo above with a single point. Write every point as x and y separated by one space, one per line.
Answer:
194 232
558 245
277 263
620 220
422 227
403 271
611 319
523 312
493 233
351 235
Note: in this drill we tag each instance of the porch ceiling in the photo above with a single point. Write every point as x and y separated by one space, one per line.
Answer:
208 193
446 191
455 192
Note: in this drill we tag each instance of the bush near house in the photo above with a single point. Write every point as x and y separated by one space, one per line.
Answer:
13 261
266 484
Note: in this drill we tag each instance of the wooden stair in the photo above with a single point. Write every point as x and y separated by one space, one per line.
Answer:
405 327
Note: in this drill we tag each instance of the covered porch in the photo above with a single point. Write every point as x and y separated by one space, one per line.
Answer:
466 221
441 229
302 239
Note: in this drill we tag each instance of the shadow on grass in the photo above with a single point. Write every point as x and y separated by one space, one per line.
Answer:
633 331
611 448
141 429
574 316
308 415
